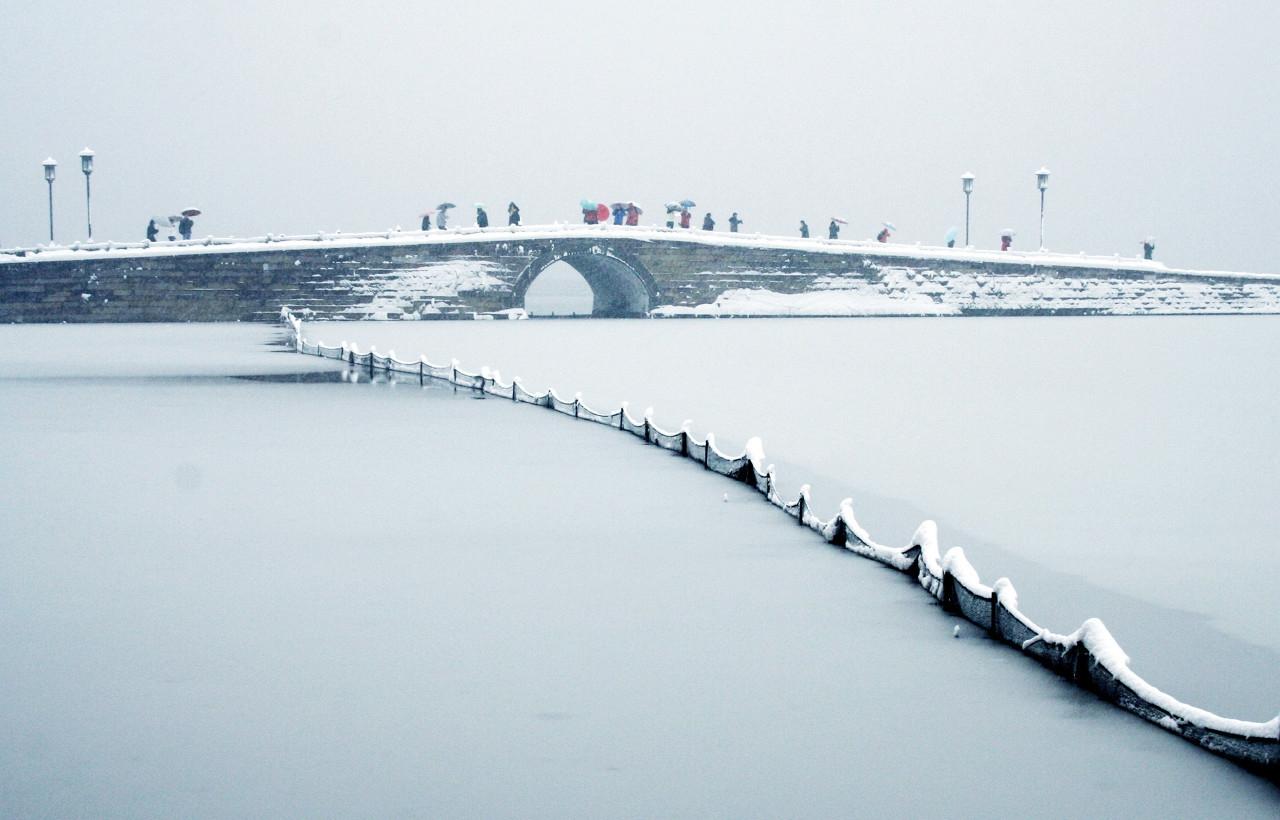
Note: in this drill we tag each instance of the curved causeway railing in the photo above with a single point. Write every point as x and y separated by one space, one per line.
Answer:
1089 656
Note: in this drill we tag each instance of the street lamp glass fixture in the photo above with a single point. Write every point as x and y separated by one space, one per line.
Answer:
86 161
966 180
50 169
1042 178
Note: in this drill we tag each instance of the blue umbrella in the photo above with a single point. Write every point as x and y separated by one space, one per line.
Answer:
951 235
688 203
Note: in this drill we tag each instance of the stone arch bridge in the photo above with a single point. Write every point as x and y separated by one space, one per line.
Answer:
632 272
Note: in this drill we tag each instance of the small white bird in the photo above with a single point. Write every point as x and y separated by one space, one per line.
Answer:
955 631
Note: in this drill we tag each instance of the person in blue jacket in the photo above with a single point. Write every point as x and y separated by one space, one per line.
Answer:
804 229
619 213
734 222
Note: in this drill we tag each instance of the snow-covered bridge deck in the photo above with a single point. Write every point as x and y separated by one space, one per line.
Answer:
632 271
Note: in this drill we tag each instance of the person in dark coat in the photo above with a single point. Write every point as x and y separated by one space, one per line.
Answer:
184 227
1006 239
883 236
708 224
1148 248
619 213
482 217
833 230
804 229
734 222
633 214
426 222
152 231
685 217
513 214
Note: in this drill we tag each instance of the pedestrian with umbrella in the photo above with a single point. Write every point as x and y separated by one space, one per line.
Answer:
884 234
804 229
633 214
513 213
950 237
1006 239
186 224
482 216
685 218
734 222
442 215
619 211
708 224
152 230
833 230
1148 247
590 214
673 214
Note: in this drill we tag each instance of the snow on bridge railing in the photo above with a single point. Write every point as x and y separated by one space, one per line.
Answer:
648 233
1089 656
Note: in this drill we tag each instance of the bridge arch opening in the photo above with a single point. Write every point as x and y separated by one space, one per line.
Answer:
559 290
618 286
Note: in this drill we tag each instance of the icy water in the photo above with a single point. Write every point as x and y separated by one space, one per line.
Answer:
234 582
1126 469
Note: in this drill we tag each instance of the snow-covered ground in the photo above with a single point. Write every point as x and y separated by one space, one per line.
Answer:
1117 468
227 596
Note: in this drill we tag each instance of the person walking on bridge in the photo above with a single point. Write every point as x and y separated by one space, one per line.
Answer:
1148 247
184 226
672 217
482 216
734 222
513 213
1006 240
619 213
426 222
708 224
633 214
685 218
833 230
804 229
152 231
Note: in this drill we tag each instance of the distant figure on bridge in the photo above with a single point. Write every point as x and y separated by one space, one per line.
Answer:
1006 240
590 216
482 217
672 217
184 227
708 224
883 236
1148 247
833 230
685 217
426 221
513 213
734 222
442 218
152 231
804 229
619 213
633 214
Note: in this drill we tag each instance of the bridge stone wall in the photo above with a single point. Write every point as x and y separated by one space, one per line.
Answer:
631 271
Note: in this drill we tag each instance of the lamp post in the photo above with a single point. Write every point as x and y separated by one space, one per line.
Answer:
966 182
50 171
1042 182
86 165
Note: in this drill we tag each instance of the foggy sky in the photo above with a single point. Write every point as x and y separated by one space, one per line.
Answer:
1155 118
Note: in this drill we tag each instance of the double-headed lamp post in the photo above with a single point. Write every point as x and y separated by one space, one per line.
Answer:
50 171
1042 182
966 182
86 165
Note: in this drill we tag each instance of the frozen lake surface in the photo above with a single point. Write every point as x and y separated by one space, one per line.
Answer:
1118 468
227 595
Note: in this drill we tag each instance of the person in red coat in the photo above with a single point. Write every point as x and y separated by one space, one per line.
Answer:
685 216
590 216
633 215
883 236
1006 239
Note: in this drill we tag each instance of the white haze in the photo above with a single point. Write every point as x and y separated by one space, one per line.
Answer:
1155 118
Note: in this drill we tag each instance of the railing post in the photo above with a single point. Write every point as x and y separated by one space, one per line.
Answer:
646 428
371 364
422 368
